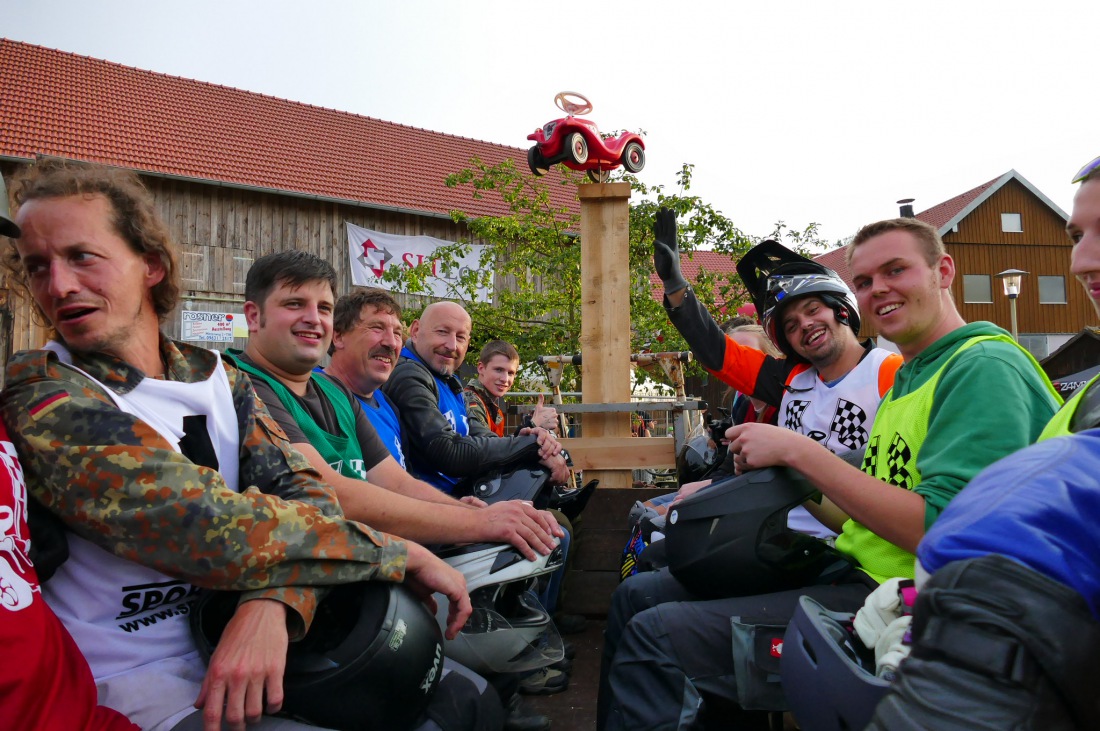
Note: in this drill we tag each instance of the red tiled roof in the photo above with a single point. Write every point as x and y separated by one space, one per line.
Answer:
61 104
940 214
838 262
712 261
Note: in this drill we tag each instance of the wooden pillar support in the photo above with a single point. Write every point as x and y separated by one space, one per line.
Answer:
605 314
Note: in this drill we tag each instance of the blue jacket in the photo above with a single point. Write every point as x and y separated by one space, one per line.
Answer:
1039 506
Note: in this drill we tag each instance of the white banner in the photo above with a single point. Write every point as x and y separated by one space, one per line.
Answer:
372 252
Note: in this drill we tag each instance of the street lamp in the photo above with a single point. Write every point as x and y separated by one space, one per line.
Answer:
1011 279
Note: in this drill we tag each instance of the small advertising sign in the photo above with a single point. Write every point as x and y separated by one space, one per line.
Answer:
209 327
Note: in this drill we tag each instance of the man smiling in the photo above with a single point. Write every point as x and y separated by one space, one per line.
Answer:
497 366
444 446
936 429
1010 570
829 385
366 337
289 309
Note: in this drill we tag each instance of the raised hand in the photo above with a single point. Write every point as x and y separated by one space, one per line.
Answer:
666 252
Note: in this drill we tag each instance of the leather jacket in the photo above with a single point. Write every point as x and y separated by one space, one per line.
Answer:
431 444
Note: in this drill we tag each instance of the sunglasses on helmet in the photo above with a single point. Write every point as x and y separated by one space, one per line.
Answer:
1086 171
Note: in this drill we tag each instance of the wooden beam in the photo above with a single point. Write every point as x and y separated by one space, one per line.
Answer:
605 315
620 453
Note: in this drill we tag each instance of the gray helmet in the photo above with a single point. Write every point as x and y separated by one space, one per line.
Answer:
7 226
775 276
828 674
509 630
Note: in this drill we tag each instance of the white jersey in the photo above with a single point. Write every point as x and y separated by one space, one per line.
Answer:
839 417
127 618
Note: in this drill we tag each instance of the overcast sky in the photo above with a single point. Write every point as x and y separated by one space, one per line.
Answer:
804 112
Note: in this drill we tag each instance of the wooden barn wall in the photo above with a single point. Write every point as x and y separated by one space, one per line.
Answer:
221 231
1032 316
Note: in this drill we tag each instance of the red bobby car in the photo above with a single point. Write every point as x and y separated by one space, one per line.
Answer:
577 143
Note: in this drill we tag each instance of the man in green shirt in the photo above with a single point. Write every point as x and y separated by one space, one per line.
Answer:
1017 580
935 430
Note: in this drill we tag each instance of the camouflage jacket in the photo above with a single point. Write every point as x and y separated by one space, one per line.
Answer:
118 483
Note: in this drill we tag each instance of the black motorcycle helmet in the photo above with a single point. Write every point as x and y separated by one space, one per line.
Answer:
731 538
694 460
775 276
372 658
533 485
522 483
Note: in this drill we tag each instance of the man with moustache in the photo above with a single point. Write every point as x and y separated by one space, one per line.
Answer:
936 429
167 471
289 308
1006 627
366 336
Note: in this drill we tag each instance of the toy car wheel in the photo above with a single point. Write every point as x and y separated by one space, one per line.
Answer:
537 162
578 148
599 176
633 157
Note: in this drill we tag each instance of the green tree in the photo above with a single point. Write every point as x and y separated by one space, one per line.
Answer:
531 261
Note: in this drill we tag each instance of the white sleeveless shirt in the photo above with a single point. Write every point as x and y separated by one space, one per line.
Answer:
838 417
122 614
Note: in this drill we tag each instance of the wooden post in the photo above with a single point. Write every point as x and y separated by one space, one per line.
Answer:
605 314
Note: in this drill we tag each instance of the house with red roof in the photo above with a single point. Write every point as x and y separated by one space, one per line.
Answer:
1006 223
236 174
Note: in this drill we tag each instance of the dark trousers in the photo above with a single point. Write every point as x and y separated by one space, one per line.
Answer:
665 651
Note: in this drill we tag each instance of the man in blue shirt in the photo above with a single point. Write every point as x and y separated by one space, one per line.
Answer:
366 338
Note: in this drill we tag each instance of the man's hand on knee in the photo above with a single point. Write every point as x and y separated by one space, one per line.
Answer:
245 677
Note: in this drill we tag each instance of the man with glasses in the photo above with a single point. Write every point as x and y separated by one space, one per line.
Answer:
936 429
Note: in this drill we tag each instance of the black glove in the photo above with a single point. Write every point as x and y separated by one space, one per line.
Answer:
666 254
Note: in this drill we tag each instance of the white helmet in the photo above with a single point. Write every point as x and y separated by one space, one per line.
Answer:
509 630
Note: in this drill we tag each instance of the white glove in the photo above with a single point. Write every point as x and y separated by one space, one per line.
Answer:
890 649
882 607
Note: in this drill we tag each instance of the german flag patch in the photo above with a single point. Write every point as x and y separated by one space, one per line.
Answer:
47 404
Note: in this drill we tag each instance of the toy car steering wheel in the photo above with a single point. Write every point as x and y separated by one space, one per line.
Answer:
573 103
